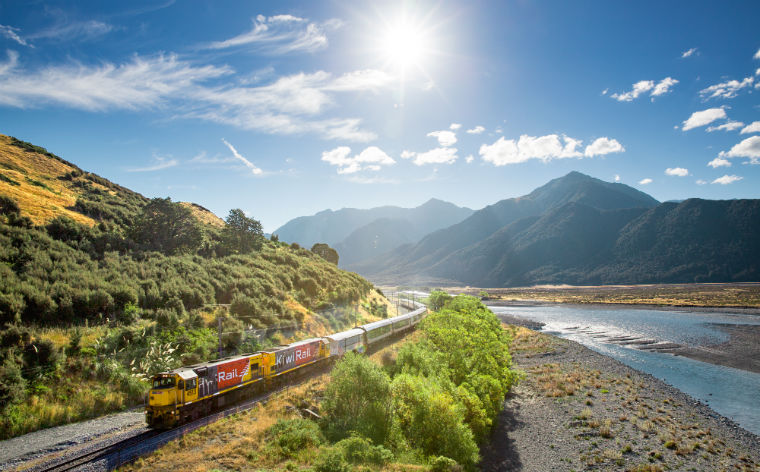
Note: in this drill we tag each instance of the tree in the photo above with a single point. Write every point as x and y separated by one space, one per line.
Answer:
242 234
167 227
438 299
325 252
358 398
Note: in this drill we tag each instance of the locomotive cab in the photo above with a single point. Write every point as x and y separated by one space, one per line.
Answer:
169 393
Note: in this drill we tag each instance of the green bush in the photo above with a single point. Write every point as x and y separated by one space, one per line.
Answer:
358 398
359 450
332 459
288 437
444 464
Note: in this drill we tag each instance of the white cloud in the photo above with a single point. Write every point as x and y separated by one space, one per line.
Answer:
371 158
160 164
703 118
729 126
445 138
719 162
443 155
663 86
476 130
545 148
68 31
757 54
688 53
749 147
677 171
639 88
604 92
139 84
753 127
727 89
701 182
455 126
254 170
291 104
12 33
282 34
727 179
646 181
11 64
469 159
643 86
617 178
602 146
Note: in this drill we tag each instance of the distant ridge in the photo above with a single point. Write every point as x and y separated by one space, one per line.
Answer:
359 234
581 230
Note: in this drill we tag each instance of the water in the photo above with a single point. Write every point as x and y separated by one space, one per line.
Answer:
731 392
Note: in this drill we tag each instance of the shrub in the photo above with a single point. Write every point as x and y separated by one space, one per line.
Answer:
359 450
332 459
291 436
444 464
358 398
12 383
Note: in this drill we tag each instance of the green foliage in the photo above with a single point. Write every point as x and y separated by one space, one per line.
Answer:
432 420
8 206
332 459
12 382
360 450
241 235
168 227
444 464
438 299
288 437
325 252
358 398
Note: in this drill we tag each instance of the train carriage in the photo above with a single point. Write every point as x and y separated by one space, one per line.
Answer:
346 341
378 330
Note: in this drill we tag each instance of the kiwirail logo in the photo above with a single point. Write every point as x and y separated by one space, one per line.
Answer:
232 373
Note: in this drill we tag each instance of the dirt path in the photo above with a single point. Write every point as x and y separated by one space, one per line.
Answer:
579 410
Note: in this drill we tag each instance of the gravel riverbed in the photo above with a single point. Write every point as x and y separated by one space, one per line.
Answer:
24 451
577 410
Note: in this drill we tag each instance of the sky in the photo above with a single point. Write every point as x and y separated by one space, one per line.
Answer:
284 108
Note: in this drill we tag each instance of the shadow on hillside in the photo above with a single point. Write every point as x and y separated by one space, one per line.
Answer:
499 453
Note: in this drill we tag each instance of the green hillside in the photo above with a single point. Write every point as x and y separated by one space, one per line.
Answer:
100 287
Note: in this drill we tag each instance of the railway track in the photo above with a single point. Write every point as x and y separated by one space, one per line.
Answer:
114 455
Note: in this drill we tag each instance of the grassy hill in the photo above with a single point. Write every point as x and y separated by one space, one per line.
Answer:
101 287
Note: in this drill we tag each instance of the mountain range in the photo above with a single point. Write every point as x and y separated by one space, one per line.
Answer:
579 230
359 234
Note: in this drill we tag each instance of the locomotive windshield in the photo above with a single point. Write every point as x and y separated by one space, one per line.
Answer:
163 382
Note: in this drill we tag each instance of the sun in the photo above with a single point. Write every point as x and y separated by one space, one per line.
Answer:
404 44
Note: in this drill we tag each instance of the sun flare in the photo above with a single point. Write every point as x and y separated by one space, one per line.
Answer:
404 45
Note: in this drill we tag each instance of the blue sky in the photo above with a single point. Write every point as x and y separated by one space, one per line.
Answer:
287 108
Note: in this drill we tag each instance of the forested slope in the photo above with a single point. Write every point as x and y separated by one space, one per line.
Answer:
101 287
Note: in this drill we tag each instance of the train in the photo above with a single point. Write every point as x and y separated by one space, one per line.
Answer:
187 393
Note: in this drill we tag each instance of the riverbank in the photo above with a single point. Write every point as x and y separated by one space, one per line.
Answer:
578 410
739 296
740 351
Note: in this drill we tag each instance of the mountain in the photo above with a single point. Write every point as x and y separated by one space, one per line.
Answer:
46 186
413 259
590 232
358 234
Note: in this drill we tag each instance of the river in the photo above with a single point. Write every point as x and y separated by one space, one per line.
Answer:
731 392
